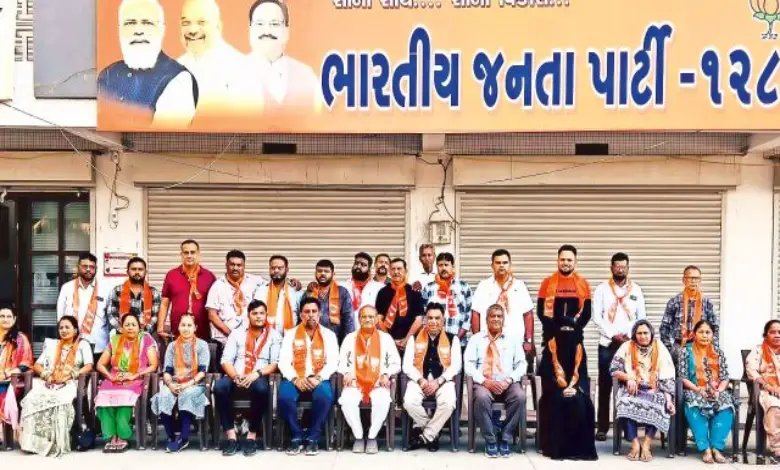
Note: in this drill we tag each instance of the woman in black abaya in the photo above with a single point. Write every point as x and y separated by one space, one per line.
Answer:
566 413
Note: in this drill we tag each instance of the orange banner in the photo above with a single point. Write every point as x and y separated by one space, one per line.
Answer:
432 66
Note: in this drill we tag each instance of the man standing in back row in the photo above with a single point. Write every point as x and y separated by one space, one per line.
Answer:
335 301
400 307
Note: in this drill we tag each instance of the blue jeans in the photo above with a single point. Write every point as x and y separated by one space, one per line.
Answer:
259 394
322 401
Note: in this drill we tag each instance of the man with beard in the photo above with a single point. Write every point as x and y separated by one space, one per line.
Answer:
617 305
281 295
335 301
453 293
362 289
382 269
288 84
135 295
82 298
369 358
184 291
215 63
400 307
563 294
229 297
147 80
428 273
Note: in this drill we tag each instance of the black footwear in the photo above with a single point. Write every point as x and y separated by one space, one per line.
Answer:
312 448
250 447
417 442
230 448
601 436
295 447
433 446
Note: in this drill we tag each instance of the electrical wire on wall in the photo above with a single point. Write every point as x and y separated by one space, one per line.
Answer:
113 211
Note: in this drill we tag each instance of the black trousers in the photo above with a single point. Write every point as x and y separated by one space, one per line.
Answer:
605 386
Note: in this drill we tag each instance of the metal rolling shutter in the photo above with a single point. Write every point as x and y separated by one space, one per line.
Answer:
662 232
776 254
303 225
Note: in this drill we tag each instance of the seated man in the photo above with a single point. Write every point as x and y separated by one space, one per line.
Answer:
251 355
308 358
369 358
431 361
496 363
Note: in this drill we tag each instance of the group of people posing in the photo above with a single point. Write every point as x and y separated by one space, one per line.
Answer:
365 332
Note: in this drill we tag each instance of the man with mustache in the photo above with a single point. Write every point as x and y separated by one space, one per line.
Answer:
148 82
134 295
564 294
282 295
216 64
428 273
288 84
362 288
335 301
382 269
454 294
400 307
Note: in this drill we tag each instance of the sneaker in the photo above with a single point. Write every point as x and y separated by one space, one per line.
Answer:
250 447
359 447
491 450
372 447
177 446
169 445
503 449
313 448
295 448
230 448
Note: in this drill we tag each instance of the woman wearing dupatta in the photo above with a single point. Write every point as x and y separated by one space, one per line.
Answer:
709 404
186 362
566 412
645 370
131 355
763 367
15 358
47 411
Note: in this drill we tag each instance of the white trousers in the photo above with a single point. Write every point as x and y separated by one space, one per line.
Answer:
350 400
445 405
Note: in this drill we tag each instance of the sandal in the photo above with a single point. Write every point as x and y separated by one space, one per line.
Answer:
109 448
633 454
121 446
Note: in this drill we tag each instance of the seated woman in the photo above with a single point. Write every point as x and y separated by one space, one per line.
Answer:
186 362
131 355
763 367
47 411
709 404
15 358
566 413
646 396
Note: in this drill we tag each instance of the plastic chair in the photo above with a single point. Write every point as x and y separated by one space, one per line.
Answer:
751 406
617 432
389 424
241 403
429 403
139 413
330 423
23 381
497 406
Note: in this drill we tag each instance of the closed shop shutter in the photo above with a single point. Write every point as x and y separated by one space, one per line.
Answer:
662 232
777 254
303 225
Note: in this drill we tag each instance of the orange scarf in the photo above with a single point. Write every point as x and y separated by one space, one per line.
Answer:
180 368
272 302
686 334
357 293
300 351
583 292
58 373
445 292
770 372
119 351
504 284
399 305
192 276
367 361
713 361
250 352
89 319
560 374
239 301
492 358
334 303
636 366
421 349
124 303
619 302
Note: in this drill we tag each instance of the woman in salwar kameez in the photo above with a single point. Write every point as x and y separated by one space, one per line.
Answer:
131 355
709 403
646 395
186 362
47 411
763 367
15 358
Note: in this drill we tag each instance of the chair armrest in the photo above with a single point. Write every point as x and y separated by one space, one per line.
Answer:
735 385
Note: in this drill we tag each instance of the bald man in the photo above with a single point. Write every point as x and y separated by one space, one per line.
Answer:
146 81
215 63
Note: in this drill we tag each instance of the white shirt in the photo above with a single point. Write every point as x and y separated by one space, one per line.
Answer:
217 72
456 361
295 299
220 298
603 299
176 105
389 360
520 302
423 278
98 337
368 295
275 77
331 344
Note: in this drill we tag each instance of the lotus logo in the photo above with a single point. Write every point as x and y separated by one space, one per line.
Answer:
768 11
